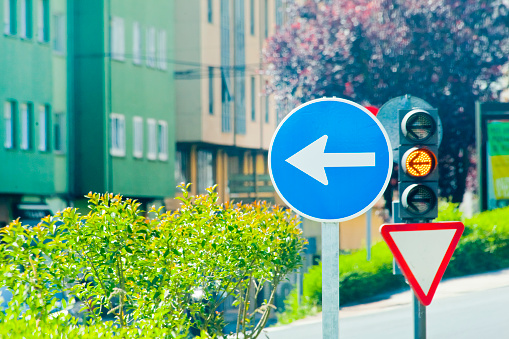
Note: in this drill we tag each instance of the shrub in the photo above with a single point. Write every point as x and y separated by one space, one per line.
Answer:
148 272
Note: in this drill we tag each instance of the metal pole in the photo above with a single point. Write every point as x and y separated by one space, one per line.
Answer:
368 234
419 319
395 219
300 273
330 280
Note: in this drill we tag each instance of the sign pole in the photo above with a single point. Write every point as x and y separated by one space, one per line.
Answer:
419 319
368 234
330 280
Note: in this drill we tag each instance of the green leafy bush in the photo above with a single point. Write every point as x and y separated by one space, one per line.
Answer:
484 245
169 273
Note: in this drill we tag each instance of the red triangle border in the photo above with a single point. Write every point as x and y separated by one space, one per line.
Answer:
386 230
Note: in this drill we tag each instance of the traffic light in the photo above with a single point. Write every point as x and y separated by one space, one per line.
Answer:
418 172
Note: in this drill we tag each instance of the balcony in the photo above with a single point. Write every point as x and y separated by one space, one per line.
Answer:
250 187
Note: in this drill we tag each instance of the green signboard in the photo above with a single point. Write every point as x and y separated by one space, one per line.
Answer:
498 162
492 139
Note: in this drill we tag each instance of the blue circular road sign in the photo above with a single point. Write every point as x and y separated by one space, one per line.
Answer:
330 160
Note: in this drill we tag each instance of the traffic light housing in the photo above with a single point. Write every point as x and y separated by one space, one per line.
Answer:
418 164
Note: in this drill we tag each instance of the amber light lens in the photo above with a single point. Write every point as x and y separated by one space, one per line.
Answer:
419 162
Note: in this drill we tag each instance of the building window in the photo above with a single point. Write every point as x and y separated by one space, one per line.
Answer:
161 52
225 66
43 20
59 33
138 137
43 127
137 43
152 139
10 16
117 47
266 19
162 140
181 167
267 109
58 132
279 13
9 109
25 120
151 47
205 170
117 135
209 11
251 17
26 19
211 90
253 99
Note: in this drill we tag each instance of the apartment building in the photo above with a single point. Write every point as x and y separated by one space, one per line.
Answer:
224 121
34 111
124 98
87 103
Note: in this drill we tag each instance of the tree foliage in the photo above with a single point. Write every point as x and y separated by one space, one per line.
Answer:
447 52
169 274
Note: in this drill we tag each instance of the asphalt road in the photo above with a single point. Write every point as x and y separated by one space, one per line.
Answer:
468 308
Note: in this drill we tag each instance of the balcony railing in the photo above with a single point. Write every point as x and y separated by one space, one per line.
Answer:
250 187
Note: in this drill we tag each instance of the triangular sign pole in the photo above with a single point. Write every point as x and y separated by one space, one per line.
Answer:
423 252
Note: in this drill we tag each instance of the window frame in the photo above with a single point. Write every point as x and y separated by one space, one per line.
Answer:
152 139
58 132
210 12
161 50
151 47
162 140
43 14
137 44
59 24
205 159
252 17
10 17
138 137
267 102
211 89
266 20
9 135
25 122
117 135
253 95
43 123
26 31
181 166
117 40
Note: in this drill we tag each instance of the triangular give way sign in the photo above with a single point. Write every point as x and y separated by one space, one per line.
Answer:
423 252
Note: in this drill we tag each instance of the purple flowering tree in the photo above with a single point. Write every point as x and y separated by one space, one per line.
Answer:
447 52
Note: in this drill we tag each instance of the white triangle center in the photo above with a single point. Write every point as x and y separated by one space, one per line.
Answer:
423 251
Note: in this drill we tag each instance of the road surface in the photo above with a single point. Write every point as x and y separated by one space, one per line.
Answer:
468 308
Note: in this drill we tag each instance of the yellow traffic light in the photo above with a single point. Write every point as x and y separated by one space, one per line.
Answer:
419 162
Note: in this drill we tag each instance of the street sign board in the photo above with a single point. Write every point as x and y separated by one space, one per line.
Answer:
330 160
423 252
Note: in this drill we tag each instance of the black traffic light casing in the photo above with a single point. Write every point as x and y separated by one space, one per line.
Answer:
418 135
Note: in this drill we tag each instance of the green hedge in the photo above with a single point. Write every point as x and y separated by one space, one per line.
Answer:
483 247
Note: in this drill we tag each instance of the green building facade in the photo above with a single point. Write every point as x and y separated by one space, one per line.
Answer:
33 68
124 101
87 103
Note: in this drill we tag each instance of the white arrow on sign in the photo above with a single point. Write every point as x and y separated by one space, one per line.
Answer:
312 160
